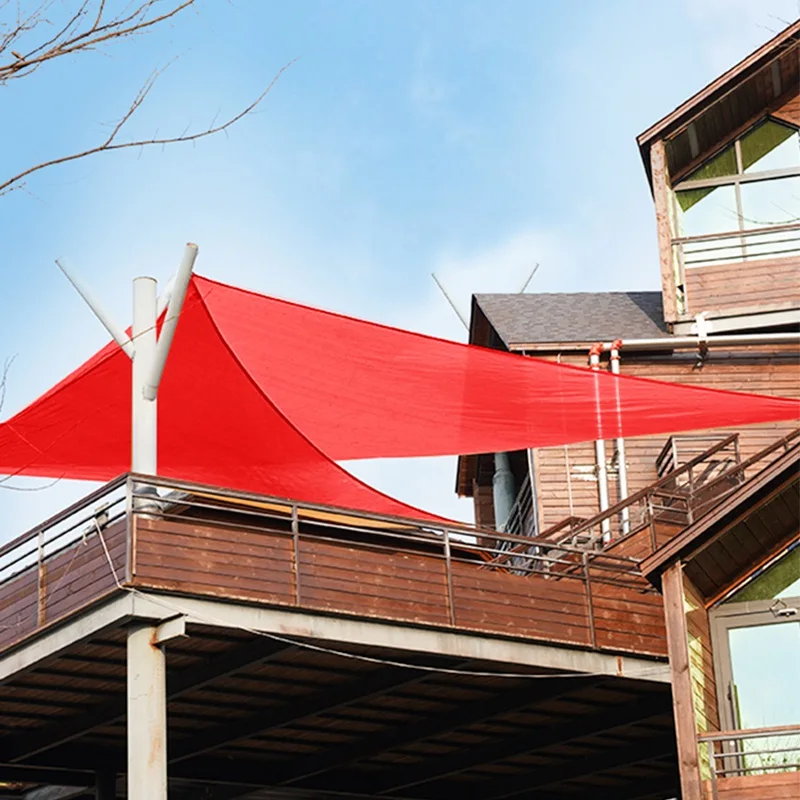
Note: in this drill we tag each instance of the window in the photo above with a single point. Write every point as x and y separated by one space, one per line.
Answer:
757 652
751 188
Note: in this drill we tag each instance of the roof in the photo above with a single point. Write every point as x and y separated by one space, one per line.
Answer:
729 101
575 317
752 523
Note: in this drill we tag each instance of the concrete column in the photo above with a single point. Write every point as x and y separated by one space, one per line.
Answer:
147 716
105 786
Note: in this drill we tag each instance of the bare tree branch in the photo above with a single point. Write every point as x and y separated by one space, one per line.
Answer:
111 143
84 30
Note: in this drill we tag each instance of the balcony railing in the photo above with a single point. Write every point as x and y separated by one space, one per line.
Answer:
757 754
775 241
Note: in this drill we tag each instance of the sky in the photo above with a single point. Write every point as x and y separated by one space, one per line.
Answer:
469 139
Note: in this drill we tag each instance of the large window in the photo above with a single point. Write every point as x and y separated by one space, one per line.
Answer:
745 202
757 651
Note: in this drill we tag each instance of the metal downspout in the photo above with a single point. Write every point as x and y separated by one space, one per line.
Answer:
600 450
504 491
622 466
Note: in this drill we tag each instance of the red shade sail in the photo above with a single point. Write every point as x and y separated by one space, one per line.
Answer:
261 394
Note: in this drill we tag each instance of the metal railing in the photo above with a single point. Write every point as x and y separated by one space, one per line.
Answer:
671 503
774 241
732 753
46 561
522 517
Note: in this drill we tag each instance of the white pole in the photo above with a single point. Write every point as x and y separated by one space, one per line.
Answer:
622 466
147 716
116 332
177 296
144 440
600 451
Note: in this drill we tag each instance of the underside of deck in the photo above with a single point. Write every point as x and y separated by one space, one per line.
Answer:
313 654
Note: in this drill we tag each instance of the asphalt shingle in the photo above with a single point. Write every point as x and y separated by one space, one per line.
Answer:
574 317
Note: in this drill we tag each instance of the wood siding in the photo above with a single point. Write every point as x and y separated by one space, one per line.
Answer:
754 285
381 581
789 111
72 578
565 476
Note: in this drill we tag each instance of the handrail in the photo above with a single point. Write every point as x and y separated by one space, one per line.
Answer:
653 487
748 733
65 513
708 237
759 456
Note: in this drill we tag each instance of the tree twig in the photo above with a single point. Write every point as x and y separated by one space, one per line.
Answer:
111 143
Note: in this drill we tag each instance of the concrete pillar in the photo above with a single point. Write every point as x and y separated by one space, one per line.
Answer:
147 716
105 786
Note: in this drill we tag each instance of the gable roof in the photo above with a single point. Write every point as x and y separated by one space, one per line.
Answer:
756 84
573 317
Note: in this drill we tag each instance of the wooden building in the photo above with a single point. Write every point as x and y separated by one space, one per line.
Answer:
724 169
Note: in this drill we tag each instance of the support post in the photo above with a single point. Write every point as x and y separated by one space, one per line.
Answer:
681 679
661 196
144 411
147 716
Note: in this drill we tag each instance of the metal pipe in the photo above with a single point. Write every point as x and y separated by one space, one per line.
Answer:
676 342
622 466
503 490
143 411
117 333
176 299
600 451
738 340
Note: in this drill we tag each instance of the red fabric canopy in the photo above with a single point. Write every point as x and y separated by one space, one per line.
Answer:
261 394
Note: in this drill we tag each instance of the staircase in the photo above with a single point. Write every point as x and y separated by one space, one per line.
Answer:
691 482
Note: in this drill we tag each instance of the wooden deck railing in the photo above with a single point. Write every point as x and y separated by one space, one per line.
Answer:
753 763
171 536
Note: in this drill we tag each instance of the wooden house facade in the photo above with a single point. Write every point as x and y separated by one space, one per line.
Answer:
724 169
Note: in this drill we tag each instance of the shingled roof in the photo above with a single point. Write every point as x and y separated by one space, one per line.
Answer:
576 317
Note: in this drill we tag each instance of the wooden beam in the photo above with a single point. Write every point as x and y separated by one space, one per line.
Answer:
682 703
540 737
661 198
258 651
515 699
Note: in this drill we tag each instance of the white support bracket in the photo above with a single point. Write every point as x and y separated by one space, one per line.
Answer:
169 630
176 297
117 333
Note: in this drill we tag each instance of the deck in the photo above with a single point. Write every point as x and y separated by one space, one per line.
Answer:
199 541
316 653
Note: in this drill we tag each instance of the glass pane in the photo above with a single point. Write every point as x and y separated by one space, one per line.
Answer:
765 661
770 146
707 211
775 202
782 579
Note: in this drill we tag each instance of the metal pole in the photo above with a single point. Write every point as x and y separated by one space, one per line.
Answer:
116 332
622 466
600 451
147 716
177 296
144 412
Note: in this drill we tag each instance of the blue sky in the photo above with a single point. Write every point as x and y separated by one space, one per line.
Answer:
470 138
